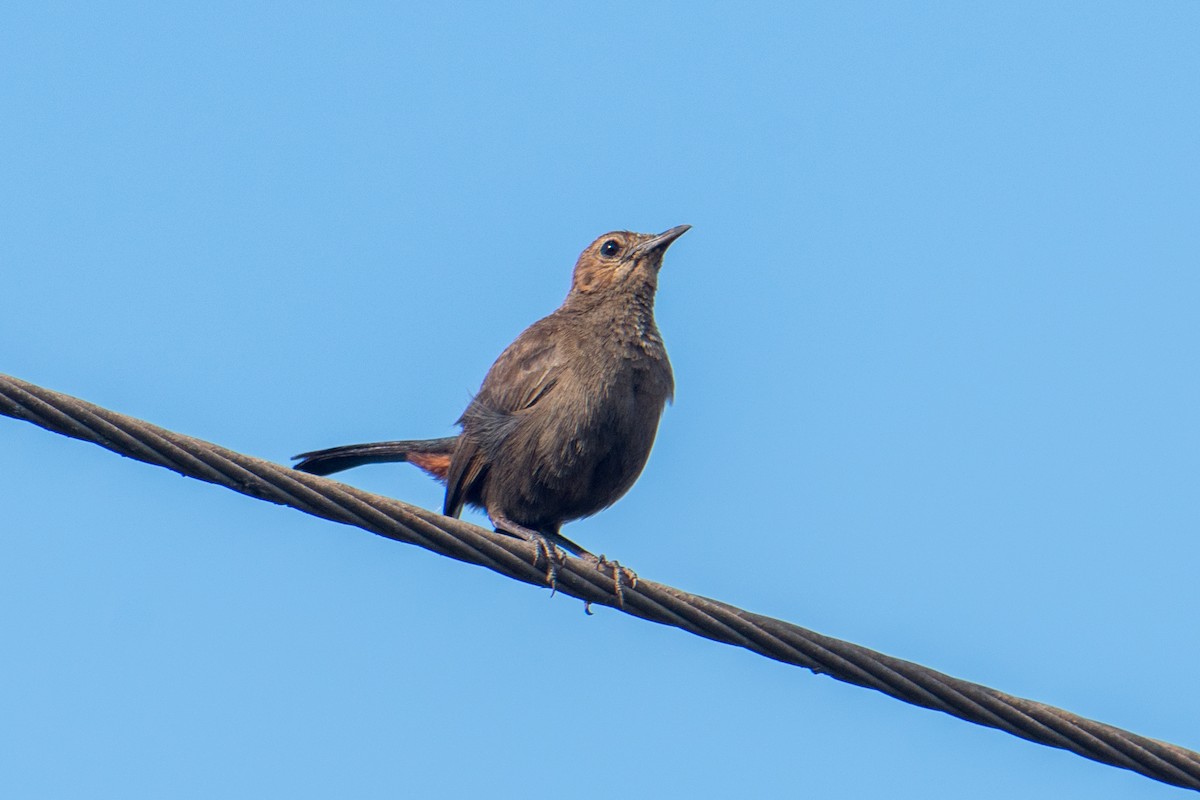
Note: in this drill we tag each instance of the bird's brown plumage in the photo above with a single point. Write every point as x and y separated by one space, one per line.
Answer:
565 419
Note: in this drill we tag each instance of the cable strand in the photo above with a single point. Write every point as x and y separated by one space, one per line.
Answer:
515 558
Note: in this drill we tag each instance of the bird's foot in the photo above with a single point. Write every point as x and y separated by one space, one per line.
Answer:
545 547
620 575
553 555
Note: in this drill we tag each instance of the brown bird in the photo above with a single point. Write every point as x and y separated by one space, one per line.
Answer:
566 417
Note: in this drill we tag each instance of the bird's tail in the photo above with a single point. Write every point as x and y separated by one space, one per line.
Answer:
431 455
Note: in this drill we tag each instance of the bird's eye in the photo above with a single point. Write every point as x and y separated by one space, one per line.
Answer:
610 248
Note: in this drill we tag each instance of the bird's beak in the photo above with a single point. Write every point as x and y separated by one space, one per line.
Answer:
663 240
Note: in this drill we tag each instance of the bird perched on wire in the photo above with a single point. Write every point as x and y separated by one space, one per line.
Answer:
566 417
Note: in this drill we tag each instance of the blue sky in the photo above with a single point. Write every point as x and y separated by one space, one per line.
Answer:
935 341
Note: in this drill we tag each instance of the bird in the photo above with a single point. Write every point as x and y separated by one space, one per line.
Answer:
565 419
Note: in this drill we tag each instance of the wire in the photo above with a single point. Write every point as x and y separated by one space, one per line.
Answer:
516 559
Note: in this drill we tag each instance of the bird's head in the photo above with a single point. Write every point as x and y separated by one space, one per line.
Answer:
622 260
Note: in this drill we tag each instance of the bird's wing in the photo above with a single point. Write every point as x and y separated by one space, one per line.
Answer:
524 374
468 466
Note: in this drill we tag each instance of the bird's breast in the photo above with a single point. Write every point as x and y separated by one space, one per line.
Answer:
582 445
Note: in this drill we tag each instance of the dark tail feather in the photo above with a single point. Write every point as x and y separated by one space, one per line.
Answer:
431 455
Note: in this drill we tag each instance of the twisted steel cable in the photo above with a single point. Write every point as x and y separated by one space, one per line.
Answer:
516 559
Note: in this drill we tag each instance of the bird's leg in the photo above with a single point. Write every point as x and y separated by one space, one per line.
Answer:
552 544
546 544
569 546
601 563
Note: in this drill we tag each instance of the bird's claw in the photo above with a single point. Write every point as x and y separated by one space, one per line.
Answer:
553 555
618 572
543 547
